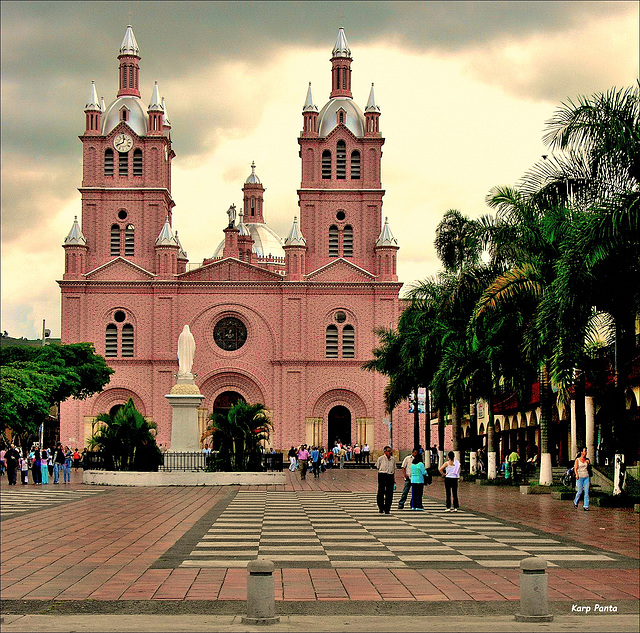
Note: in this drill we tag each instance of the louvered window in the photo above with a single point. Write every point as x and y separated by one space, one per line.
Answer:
348 342
115 240
129 235
333 241
326 165
127 340
341 160
355 165
108 162
331 342
347 241
123 164
111 341
137 162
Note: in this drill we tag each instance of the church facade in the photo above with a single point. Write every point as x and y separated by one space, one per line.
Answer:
285 322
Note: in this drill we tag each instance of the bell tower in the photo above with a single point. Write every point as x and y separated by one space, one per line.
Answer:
126 183
340 196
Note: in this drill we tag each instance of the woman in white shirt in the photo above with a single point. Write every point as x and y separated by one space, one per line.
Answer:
451 471
581 468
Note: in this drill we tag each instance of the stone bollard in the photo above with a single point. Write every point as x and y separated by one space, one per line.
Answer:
261 602
534 591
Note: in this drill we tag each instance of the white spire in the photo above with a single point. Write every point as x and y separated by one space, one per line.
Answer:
93 103
242 227
182 254
156 102
295 237
129 45
386 237
341 48
371 104
166 237
165 116
103 107
75 237
308 104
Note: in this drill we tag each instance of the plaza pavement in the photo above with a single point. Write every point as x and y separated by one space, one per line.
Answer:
83 558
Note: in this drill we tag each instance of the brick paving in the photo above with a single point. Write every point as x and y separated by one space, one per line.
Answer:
106 546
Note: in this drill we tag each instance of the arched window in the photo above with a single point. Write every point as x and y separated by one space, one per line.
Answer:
123 164
111 341
331 342
326 165
355 165
348 342
341 160
108 162
115 240
129 240
347 241
333 241
127 340
253 206
137 162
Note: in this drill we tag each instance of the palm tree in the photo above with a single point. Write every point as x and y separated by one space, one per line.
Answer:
239 437
127 440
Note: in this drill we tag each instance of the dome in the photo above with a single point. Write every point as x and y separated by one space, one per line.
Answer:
265 241
328 117
137 116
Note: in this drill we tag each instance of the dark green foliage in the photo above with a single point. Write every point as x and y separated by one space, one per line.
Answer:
238 438
127 440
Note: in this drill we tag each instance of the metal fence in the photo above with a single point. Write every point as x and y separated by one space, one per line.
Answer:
182 461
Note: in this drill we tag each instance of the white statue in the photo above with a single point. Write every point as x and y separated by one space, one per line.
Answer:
231 212
186 351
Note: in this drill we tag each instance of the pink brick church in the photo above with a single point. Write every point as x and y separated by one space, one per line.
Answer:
285 322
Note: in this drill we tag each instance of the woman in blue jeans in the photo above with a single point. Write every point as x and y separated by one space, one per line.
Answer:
581 468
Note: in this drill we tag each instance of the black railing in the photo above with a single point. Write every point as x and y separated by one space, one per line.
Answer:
185 461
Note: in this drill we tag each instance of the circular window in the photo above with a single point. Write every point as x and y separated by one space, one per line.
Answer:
340 316
230 334
340 215
119 316
122 214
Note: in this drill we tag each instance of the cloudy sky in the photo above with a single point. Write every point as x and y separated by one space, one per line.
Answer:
464 88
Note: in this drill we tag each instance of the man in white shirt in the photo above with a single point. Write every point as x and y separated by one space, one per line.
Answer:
386 466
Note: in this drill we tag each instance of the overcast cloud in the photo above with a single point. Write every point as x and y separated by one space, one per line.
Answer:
464 88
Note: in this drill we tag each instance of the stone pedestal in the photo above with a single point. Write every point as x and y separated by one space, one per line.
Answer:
185 399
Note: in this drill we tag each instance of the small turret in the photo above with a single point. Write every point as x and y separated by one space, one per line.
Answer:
167 248
372 116
386 249
245 241
155 112
295 251
341 67
253 197
93 112
182 256
310 115
75 252
129 70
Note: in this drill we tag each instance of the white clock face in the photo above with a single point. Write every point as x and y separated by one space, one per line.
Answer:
123 142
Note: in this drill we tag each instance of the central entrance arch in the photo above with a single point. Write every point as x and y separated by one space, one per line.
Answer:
339 426
225 401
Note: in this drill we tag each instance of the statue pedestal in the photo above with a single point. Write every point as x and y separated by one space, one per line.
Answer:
185 399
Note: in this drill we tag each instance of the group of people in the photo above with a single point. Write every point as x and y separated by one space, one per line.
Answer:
318 460
415 477
42 462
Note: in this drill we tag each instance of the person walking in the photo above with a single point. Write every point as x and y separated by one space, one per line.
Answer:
76 459
303 460
24 470
451 471
12 462
418 473
66 469
36 471
44 466
365 453
316 456
292 459
582 468
357 454
386 466
514 463
58 462
406 468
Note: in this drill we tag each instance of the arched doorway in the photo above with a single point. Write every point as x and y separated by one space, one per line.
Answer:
114 409
225 401
339 426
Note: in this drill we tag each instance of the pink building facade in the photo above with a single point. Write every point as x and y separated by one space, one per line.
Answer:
287 323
